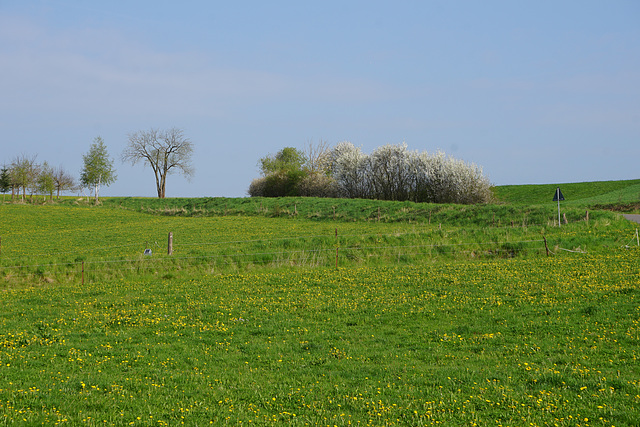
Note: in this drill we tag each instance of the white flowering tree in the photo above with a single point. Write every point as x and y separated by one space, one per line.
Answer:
392 172
349 169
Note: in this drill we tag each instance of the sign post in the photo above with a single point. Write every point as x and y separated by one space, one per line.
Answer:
557 198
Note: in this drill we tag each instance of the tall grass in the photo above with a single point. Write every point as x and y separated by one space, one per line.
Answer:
54 244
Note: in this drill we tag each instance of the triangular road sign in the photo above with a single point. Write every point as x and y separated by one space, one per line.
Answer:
558 197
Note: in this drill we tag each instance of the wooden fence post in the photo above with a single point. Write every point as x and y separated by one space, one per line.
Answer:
170 244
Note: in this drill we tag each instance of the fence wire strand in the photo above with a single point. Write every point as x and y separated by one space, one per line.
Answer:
174 258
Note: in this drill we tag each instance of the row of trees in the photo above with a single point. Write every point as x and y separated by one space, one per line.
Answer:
25 174
391 172
164 151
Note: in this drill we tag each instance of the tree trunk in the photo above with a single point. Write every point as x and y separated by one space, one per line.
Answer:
161 183
158 183
97 188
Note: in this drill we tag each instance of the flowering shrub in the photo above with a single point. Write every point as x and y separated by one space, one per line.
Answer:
391 172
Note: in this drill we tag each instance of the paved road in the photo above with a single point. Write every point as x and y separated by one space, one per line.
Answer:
633 217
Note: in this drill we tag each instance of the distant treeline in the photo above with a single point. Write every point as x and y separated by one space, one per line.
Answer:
391 172
26 176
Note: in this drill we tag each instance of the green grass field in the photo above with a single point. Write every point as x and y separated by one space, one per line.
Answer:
600 193
434 315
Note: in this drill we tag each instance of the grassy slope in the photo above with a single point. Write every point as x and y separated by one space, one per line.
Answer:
513 203
618 195
582 193
625 193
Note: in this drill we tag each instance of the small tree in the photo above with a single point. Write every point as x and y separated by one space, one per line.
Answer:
5 180
287 159
281 174
317 157
46 181
63 181
24 173
11 171
98 168
164 151
389 172
349 167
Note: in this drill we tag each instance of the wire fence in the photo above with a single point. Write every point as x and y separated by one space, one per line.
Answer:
308 256
317 250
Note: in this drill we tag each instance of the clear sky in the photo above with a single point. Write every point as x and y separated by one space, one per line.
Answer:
532 91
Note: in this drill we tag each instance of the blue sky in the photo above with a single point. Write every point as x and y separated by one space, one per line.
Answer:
534 92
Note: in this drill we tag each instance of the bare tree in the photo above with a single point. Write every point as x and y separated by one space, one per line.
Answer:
318 157
62 180
165 151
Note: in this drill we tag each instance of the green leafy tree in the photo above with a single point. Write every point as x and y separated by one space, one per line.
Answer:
5 180
293 172
24 173
287 159
281 174
46 181
98 168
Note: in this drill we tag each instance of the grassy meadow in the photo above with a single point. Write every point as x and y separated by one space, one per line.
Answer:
319 312
605 194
